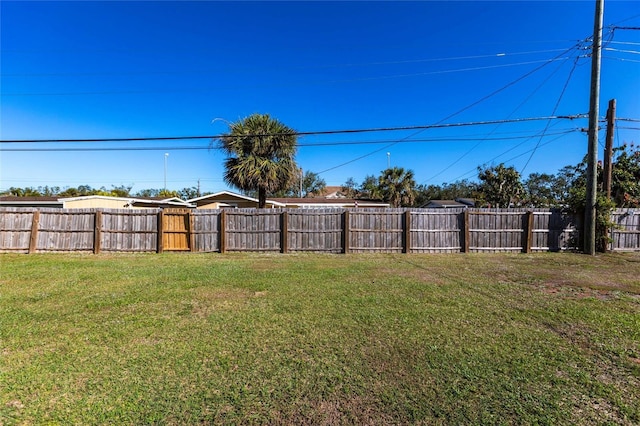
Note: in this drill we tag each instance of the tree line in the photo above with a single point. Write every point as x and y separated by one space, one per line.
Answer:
115 191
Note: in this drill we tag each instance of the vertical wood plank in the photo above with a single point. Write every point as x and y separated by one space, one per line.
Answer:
33 239
160 243
345 232
466 234
529 238
407 232
97 232
222 238
190 233
284 232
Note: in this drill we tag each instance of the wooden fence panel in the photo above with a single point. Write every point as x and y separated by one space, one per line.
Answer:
626 232
15 229
554 230
253 230
436 230
66 230
206 230
176 230
367 230
317 230
376 230
492 230
129 230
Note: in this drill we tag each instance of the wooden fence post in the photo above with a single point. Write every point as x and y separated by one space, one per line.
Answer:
190 233
466 233
284 232
222 235
97 232
33 239
407 232
160 243
529 237
345 232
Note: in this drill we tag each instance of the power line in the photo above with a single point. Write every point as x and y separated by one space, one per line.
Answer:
510 159
555 108
575 47
279 67
621 59
285 84
611 49
308 145
322 132
513 112
630 43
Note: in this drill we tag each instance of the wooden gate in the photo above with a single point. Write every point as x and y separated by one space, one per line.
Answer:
176 230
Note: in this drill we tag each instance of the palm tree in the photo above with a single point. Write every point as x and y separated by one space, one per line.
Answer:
397 186
261 153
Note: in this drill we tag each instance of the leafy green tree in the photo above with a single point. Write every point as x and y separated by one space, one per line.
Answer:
397 186
625 189
312 184
261 154
500 186
545 190
189 193
24 192
148 193
166 193
625 176
121 191
370 188
350 188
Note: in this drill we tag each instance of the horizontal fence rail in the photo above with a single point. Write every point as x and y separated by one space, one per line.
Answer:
357 230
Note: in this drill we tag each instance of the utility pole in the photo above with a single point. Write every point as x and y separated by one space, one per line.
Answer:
592 153
608 148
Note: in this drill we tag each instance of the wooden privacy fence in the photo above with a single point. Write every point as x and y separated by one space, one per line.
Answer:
298 230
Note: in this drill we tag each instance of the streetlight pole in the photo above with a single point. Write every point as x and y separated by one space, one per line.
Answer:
388 160
166 154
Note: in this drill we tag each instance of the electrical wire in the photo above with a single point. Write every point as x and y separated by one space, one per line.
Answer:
621 59
310 145
512 112
611 49
321 132
555 108
279 67
495 92
474 170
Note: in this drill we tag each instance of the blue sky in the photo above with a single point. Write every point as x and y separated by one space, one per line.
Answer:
73 70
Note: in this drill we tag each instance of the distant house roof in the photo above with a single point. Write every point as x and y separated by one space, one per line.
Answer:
133 201
227 198
331 192
230 198
468 201
67 202
444 204
13 201
328 202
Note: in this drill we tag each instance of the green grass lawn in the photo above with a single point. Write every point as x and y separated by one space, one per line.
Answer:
315 339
